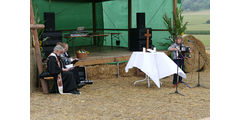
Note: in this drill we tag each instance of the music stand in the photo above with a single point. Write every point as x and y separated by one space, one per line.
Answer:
199 54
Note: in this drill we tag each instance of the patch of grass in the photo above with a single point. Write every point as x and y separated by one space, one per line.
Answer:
198 32
197 22
205 39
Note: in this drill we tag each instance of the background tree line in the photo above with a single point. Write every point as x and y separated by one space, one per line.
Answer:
195 5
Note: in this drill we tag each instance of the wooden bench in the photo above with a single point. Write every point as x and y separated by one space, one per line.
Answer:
47 87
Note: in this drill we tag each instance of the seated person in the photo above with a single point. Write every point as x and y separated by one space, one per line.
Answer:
68 60
64 81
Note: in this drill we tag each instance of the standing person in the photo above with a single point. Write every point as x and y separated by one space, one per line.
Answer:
178 57
64 81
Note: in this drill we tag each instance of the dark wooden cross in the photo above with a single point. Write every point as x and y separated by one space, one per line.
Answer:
147 35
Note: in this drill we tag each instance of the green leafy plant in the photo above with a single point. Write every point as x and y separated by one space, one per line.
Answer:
40 31
179 27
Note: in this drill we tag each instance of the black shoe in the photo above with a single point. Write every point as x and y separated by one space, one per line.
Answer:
180 81
81 84
88 81
75 92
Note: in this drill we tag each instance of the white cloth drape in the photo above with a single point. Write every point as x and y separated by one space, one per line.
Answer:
156 65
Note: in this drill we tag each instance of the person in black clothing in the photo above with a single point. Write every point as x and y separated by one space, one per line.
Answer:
56 69
69 60
66 57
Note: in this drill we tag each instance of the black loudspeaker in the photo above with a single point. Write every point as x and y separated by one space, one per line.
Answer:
49 21
49 40
140 20
47 51
81 73
138 40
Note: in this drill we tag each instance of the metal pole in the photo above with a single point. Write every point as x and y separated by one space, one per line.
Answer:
118 73
199 54
198 68
112 40
176 92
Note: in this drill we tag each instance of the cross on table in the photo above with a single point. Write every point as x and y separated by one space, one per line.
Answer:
147 35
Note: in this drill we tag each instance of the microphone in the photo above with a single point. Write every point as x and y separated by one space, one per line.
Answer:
190 41
171 39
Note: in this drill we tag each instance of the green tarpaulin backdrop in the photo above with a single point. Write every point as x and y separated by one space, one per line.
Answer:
110 14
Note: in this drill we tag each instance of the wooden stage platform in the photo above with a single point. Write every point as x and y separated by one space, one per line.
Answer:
102 55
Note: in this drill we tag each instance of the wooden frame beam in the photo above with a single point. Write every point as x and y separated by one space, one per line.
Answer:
101 61
37 26
111 29
174 10
129 19
37 49
94 20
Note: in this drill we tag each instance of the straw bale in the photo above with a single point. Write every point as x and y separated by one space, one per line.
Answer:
195 45
106 71
207 66
131 72
101 71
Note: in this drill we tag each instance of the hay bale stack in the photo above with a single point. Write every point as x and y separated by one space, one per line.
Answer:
131 72
195 45
101 71
207 66
106 71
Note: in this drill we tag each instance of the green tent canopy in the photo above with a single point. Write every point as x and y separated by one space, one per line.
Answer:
111 16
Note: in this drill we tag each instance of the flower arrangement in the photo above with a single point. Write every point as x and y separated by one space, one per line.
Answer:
82 54
83 51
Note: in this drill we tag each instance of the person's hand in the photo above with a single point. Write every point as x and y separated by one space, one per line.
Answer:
66 69
175 49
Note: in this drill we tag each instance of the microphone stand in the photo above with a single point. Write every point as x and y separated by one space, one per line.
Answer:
199 54
176 91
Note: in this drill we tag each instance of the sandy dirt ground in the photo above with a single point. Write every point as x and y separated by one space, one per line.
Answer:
118 99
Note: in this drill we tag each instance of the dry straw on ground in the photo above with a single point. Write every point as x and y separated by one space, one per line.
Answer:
118 99
111 98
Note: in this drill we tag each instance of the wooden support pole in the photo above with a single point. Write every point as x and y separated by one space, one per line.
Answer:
129 19
37 49
174 10
94 20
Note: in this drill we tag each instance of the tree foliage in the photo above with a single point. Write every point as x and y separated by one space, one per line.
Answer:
179 27
195 5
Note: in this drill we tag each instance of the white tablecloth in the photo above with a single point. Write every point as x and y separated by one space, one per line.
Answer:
156 65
